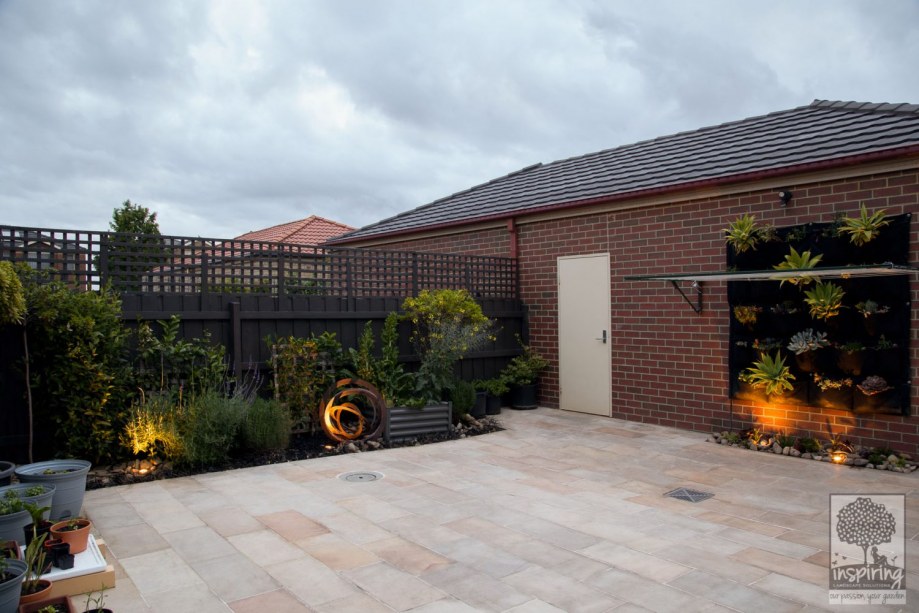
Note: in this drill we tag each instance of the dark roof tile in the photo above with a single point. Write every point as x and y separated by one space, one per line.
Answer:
818 133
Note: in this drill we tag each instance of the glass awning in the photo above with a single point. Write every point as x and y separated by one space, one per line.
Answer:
828 272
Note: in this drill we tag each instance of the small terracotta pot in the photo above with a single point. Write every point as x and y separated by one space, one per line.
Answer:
77 538
40 594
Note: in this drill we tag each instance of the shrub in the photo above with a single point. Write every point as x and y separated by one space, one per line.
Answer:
266 425
303 369
462 395
80 380
170 362
152 430
209 425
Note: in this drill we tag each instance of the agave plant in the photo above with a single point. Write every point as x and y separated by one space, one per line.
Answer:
769 373
799 261
743 234
864 228
824 300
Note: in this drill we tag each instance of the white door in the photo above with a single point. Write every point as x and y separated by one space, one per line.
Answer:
584 366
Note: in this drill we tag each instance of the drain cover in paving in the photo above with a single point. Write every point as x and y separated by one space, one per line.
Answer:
684 493
360 476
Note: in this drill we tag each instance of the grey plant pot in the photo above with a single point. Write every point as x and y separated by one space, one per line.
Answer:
6 471
11 525
70 486
404 422
9 590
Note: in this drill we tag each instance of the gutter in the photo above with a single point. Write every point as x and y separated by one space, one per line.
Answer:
512 216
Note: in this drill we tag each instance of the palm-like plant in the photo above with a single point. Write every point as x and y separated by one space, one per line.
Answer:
743 234
824 300
799 261
769 373
864 228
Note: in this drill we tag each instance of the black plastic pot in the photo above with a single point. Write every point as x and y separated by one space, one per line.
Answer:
524 396
478 409
493 405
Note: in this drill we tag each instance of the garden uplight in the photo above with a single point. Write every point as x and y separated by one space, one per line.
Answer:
838 457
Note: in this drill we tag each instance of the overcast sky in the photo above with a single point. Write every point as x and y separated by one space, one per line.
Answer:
225 117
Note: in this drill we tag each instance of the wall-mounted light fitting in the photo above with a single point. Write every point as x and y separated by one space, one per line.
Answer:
785 197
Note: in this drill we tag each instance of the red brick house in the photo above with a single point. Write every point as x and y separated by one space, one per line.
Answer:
635 349
313 230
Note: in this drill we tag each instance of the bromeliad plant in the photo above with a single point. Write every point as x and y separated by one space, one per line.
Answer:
447 324
769 373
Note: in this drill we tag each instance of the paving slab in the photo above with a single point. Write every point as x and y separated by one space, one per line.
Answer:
559 512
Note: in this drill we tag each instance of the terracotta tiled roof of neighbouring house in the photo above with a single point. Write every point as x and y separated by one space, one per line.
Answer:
313 230
820 135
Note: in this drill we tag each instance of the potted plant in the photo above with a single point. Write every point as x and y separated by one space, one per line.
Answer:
742 234
849 357
798 261
34 588
68 478
864 228
770 374
59 604
805 344
747 315
15 501
833 393
96 603
869 309
521 374
494 389
12 573
824 300
74 532
6 472
446 325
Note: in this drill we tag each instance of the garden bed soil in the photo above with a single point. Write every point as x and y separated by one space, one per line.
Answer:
302 447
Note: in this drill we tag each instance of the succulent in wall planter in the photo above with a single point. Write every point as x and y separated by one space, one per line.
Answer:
833 393
743 234
873 386
849 358
869 309
770 374
824 300
747 315
798 261
864 228
804 345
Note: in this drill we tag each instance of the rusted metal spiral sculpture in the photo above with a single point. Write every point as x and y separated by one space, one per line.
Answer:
352 409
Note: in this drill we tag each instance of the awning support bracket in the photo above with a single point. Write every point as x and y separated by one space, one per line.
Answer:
697 307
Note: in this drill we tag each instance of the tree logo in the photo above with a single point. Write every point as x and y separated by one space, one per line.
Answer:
867 549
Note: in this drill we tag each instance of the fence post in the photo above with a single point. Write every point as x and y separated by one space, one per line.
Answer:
236 334
414 273
281 289
103 259
203 286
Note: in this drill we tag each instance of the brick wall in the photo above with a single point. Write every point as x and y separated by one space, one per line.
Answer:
669 364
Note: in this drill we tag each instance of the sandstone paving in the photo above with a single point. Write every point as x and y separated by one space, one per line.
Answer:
559 512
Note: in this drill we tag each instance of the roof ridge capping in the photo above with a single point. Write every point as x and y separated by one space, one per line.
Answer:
902 108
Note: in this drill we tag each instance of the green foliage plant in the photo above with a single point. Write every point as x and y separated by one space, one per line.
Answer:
462 395
362 361
266 425
394 383
864 228
13 310
786 440
303 368
447 324
524 368
81 382
798 261
769 373
827 383
168 362
496 386
34 559
824 300
152 430
809 445
743 234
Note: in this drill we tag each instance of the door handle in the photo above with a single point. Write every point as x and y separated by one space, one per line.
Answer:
602 338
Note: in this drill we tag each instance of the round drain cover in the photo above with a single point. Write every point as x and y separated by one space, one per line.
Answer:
360 476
